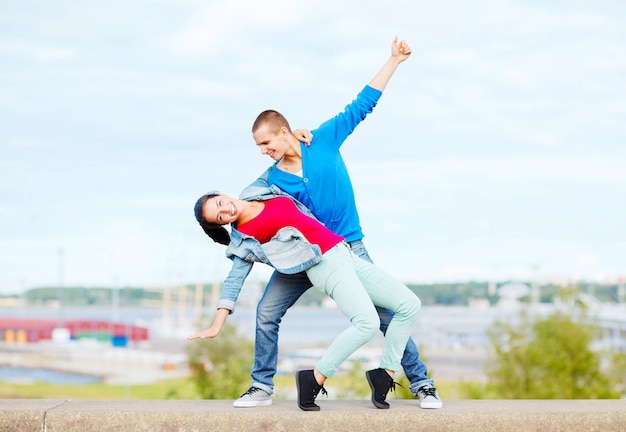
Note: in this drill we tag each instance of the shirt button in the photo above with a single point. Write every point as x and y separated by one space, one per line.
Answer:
306 180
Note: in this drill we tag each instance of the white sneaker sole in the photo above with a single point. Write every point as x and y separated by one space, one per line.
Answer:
251 404
431 405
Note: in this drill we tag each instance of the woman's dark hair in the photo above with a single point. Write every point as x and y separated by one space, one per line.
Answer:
218 233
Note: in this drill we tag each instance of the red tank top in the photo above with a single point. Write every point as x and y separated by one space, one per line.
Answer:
281 212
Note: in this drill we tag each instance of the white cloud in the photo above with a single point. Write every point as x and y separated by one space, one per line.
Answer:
522 169
28 142
27 50
498 145
231 26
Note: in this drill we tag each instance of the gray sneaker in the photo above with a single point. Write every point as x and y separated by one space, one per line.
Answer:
429 398
252 398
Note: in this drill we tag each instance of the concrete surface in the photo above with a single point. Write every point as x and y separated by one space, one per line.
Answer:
218 415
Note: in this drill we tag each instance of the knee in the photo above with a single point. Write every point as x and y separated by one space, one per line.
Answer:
268 316
413 307
409 308
368 325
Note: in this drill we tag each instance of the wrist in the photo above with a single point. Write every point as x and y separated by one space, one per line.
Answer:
394 60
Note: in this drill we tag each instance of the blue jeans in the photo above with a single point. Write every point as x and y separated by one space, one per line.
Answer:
281 293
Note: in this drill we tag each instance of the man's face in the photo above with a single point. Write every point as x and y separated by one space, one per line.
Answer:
271 144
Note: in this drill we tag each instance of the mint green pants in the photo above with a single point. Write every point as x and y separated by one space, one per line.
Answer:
356 286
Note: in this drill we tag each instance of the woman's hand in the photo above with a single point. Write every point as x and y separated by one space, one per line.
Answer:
204 334
215 329
303 135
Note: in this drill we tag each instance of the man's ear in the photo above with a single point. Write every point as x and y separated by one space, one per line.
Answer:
284 132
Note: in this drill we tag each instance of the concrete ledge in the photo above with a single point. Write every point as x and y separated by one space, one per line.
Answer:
219 415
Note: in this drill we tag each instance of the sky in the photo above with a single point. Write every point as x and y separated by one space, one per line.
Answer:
497 151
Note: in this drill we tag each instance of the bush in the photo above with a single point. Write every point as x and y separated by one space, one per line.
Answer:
220 367
551 358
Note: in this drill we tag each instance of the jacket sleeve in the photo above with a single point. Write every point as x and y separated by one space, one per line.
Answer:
334 132
233 283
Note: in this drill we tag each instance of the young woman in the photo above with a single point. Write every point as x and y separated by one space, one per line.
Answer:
271 227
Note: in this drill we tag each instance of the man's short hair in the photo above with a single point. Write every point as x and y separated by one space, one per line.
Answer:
273 119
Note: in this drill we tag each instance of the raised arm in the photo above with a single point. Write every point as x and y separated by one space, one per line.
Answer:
400 51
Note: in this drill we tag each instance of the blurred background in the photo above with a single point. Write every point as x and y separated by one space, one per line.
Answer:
495 158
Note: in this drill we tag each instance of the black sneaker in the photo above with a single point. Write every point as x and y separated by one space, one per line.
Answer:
308 389
381 383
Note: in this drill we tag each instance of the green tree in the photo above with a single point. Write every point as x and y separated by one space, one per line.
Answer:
220 367
617 370
548 358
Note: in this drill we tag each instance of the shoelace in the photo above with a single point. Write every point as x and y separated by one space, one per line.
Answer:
392 387
323 391
251 391
429 391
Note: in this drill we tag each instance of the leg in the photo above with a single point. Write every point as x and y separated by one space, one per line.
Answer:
405 304
388 292
281 293
336 277
414 368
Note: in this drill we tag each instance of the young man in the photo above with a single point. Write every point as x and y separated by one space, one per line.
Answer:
317 176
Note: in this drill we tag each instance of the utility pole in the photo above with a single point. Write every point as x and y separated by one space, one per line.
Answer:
198 300
60 288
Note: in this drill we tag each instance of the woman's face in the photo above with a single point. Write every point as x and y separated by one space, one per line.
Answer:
221 209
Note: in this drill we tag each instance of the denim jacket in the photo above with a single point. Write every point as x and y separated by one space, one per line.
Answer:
288 251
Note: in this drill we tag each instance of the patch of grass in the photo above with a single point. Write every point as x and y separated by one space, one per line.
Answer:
343 386
178 388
